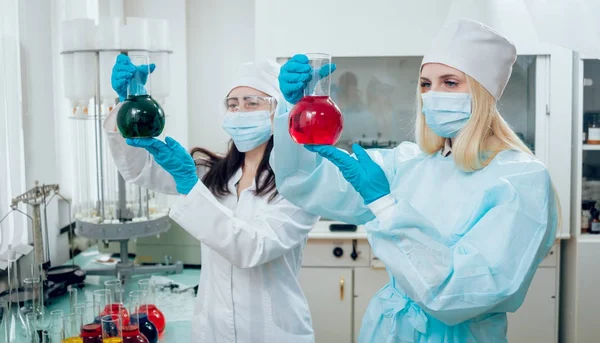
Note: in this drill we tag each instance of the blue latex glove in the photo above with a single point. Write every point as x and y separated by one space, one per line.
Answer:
173 158
295 74
361 172
123 72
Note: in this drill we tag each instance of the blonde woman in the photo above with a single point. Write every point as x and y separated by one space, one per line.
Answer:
461 219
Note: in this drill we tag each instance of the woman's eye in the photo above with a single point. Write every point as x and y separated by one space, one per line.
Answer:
232 106
425 84
451 84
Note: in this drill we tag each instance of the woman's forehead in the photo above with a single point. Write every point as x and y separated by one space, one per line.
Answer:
434 70
244 91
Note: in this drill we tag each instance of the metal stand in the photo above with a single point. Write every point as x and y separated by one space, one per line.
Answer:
126 229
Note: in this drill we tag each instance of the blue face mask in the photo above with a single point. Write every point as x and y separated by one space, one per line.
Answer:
446 113
248 129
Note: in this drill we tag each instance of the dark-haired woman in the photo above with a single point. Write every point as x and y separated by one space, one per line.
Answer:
252 239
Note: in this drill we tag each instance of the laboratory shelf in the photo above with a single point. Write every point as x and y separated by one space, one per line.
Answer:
589 237
591 147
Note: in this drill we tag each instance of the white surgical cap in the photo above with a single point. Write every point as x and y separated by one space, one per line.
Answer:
261 76
476 50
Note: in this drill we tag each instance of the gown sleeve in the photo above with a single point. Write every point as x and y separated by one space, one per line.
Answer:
317 185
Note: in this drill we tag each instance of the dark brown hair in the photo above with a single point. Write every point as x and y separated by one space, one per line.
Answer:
222 168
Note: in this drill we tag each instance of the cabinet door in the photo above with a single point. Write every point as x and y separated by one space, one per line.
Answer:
329 294
536 319
367 281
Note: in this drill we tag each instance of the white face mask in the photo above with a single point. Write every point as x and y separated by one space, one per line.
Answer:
248 129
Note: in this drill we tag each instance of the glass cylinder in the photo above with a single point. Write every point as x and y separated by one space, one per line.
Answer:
316 119
115 287
140 116
131 331
72 325
112 328
137 299
72 298
52 335
31 288
34 332
91 330
154 314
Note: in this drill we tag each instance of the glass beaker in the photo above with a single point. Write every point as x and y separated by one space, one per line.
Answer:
131 331
91 330
140 116
115 287
111 328
154 314
137 299
72 325
72 298
52 335
31 287
316 119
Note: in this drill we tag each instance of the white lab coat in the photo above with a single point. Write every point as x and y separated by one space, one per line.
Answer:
251 254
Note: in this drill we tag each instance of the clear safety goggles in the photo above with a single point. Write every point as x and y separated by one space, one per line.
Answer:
249 103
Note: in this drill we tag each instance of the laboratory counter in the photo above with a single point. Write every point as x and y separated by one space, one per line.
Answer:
176 331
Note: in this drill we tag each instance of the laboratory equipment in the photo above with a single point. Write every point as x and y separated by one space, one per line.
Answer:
72 291
154 314
140 116
316 119
31 287
586 216
131 331
107 208
593 135
91 331
72 325
147 328
112 328
115 291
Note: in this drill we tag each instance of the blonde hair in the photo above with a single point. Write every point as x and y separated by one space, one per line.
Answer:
486 131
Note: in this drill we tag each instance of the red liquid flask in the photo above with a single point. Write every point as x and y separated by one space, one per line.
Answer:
155 316
316 120
131 334
91 333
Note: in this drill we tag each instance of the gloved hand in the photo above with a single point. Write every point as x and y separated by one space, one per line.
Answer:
295 74
122 73
361 172
173 158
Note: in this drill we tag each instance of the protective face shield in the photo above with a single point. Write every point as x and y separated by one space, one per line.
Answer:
446 113
248 120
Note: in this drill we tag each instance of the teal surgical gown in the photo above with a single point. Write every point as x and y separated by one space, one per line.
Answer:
460 248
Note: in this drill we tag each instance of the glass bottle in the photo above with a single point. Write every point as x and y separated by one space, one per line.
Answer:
154 314
131 331
115 289
141 315
316 119
593 136
91 331
112 328
140 116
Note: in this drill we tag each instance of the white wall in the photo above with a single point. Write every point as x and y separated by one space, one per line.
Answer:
220 36
381 27
41 161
